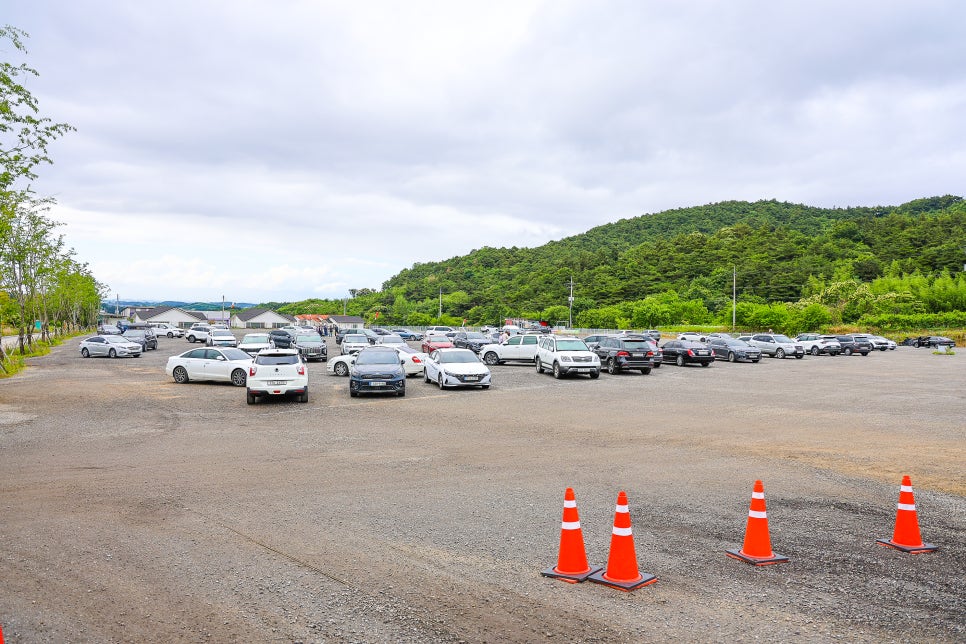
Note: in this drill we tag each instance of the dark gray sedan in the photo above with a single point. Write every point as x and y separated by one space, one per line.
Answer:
733 350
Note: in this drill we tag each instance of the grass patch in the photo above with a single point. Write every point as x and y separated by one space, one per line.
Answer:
16 361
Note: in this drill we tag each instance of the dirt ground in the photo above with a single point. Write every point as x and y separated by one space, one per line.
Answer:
136 509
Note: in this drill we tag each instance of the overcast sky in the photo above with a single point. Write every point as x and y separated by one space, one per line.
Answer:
281 150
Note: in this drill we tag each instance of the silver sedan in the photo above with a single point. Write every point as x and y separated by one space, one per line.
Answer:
112 346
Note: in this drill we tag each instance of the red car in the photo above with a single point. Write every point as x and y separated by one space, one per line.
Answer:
433 342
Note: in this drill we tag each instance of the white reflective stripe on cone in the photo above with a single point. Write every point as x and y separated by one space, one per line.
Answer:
757 495
905 488
755 514
570 525
570 504
907 506
621 508
622 532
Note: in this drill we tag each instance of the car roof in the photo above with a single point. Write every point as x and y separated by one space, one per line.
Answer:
278 352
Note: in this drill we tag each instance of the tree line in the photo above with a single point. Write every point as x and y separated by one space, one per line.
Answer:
41 283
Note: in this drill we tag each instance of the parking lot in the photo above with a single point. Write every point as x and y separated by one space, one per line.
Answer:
135 508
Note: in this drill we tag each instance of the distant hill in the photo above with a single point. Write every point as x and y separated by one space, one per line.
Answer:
189 306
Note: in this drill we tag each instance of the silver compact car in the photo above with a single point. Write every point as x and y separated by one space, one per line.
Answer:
112 346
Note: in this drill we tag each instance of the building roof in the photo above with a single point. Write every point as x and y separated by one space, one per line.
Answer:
346 319
160 310
251 314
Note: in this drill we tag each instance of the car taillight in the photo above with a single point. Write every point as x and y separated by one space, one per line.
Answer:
301 369
690 352
623 354
416 360
252 369
650 353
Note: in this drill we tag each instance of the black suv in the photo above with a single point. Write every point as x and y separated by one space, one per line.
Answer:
281 338
472 340
620 353
311 346
852 345
144 337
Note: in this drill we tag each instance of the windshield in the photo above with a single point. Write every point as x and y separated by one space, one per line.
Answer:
377 357
221 334
571 345
116 339
736 343
782 338
308 338
255 339
475 336
236 354
134 333
457 356
392 339
355 337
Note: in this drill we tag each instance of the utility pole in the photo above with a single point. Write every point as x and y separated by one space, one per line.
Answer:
223 310
570 301
439 318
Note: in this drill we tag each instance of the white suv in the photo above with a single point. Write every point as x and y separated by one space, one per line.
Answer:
565 355
198 333
278 372
167 330
521 348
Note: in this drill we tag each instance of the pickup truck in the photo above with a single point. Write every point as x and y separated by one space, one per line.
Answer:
519 348
564 355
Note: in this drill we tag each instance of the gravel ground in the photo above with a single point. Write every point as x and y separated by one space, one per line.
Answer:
136 509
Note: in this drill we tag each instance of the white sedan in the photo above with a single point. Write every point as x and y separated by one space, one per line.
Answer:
341 365
225 364
456 368
413 360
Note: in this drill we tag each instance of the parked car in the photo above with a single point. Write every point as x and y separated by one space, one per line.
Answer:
620 353
277 372
929 341
144 337
311 346
198 333
341 365
341 332
472 340
693 336
564 355
456 368
816 344
851 345
108 329
406 334
654 333
433 342
167 330
593 340
281 338
439 330
377 370
733 350
221 338
391 339
354 343
517 348
878 343
777 345
219 364
883 344
112 346
252 343
413 361
685 352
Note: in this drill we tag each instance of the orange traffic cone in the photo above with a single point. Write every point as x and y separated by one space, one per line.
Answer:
622 572
757 547
906 535
572 561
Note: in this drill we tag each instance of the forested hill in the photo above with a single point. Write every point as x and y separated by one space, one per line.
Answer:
775 248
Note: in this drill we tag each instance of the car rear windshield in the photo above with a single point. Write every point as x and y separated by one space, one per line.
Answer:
636 345
276 359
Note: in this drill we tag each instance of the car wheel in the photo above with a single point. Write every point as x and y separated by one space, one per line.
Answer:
848 351
731 356
304 396
612 366
112 353
814 351
180 375
85 353
755 361
250 398
491 358
401 392
865 353
657 365
594 375
557 373
705 364
426 377
680 361
799 356
170 335
341 368
780 353
439 381
191 339
239 377
484 386
536 361
646 370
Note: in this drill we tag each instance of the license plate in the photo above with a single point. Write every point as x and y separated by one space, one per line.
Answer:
276 382
636 355
472 378
582 370
377 383
702 353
